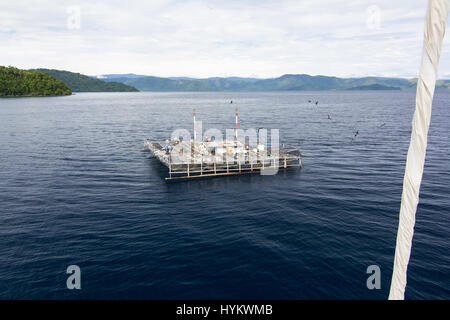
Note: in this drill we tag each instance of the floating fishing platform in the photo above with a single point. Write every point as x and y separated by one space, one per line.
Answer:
190 159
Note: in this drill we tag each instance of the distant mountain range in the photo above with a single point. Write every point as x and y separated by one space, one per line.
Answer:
285 82
81 83
133 82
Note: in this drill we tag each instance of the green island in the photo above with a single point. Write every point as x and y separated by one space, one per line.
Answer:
82 83
20 83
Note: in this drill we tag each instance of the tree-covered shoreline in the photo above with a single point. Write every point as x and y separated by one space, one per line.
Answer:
82 83
20 83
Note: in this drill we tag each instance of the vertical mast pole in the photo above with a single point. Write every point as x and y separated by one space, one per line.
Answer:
195 129
236 134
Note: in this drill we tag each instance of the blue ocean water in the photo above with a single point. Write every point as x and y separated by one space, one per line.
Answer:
75 189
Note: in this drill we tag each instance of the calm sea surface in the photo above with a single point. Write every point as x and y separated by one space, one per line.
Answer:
75 189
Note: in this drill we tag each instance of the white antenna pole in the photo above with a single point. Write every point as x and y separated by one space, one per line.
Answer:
236 135
195 129
435 20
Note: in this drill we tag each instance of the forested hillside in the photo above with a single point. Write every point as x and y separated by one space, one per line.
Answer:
15 83
81 83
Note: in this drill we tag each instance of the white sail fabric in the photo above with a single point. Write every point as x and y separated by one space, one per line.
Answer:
435 20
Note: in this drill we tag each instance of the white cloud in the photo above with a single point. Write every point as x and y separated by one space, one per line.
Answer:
217 38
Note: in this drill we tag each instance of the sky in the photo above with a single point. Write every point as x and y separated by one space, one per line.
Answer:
199 38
